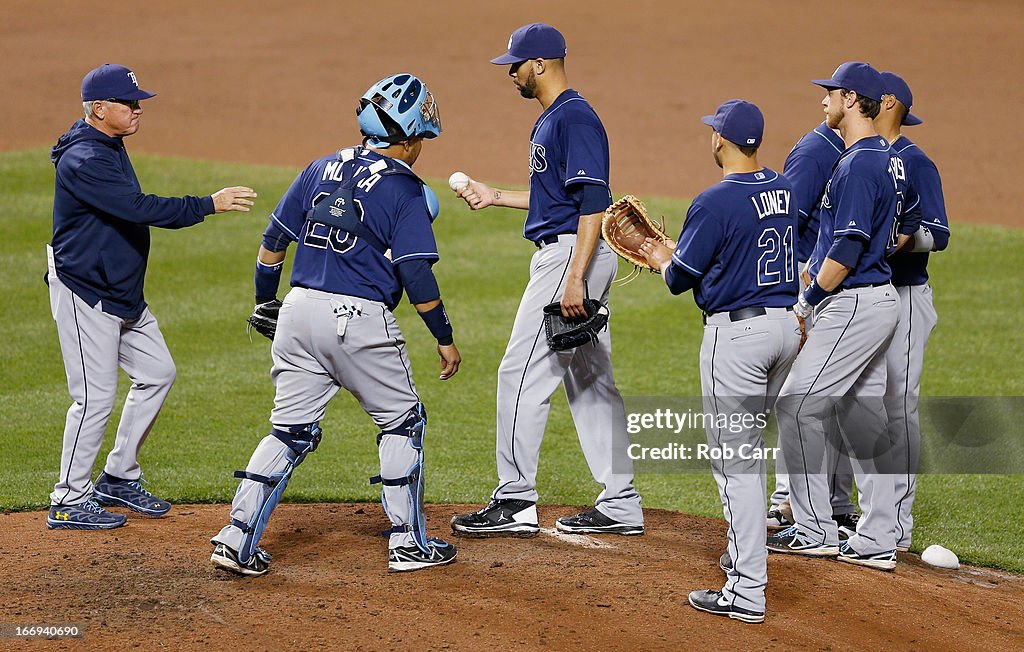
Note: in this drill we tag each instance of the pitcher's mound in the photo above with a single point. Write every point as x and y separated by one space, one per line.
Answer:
150 585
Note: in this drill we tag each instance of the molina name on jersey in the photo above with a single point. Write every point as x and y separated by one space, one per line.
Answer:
392 203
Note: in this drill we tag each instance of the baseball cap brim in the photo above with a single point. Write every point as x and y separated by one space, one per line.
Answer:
137 94
910 120
506 59
709 120
826 83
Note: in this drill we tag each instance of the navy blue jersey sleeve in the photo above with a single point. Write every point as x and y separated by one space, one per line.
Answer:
97 183
290 213
591 197
854 195
586 154
808 179
679 280
928 186
698 242
413 238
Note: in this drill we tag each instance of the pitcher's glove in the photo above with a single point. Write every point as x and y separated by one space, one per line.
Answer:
264 319
567 333
624 227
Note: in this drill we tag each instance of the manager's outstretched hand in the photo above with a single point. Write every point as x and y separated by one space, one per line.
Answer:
233 199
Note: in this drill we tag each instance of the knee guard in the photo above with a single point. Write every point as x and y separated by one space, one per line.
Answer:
267 476
401 467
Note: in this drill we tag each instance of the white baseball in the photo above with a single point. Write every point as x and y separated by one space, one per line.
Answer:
458 181
936 555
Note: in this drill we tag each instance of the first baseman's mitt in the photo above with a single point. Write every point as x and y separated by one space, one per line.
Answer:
264 319
625 225
564 334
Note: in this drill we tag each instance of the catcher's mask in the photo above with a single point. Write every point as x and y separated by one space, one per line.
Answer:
397 108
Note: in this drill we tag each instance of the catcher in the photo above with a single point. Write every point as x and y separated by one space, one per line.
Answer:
361 219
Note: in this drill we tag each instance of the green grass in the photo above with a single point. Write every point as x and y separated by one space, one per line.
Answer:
200 288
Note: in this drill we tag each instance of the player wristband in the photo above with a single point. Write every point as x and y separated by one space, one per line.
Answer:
814 294
268 277
437 322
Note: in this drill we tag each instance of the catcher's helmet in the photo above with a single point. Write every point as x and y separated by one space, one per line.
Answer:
396 108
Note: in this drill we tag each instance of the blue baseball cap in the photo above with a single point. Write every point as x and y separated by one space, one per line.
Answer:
739 122
893 84
111 81
533 41
856 76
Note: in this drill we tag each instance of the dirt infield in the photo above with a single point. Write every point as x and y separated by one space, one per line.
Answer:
277 82
150 586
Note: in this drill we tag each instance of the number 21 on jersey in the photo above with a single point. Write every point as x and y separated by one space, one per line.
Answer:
776 261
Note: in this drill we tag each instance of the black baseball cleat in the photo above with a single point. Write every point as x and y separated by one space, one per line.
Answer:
847 524
713 602
500 518
885 561
725 562
593 521
793 541
411 558
226 558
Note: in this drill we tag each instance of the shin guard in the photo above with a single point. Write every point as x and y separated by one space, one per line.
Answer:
401 468
264 481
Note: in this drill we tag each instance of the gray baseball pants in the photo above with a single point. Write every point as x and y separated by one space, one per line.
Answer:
530 372
840 477
842 367
311 363
94 345
743 365
904 365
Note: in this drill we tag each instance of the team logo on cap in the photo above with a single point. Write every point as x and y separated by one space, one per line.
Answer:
131 75
509 46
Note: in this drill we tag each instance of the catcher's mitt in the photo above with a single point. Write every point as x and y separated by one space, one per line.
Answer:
264 319
625 225
565 334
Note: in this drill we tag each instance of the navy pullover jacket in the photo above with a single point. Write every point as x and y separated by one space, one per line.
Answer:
101 220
